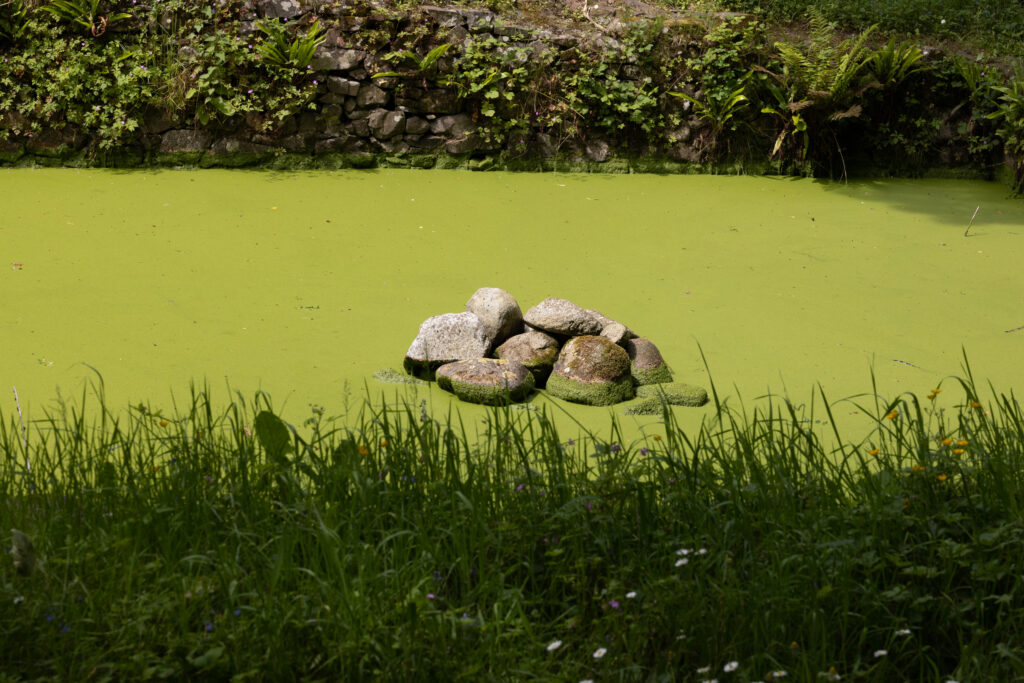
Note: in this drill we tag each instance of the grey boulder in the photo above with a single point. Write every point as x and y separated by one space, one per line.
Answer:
498 311
612 329
443 339
562 317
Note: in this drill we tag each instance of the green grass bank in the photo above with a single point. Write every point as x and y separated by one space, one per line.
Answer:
219 542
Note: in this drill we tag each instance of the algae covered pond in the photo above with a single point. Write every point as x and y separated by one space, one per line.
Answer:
304 284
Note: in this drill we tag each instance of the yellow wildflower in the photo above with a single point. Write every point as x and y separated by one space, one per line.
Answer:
873 451
363 450
962 442
942 477
958 451
947 441
893 414
918 468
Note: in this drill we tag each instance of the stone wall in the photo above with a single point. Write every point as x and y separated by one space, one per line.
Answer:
360 121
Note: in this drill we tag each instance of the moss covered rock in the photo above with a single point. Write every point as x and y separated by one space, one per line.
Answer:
490 381
675 393
591 370
535 350
590 393
646 364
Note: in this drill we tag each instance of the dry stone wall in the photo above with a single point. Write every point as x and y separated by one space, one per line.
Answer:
358 120
590 120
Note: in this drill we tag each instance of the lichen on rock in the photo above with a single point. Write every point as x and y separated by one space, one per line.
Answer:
498 312
443 339
562 317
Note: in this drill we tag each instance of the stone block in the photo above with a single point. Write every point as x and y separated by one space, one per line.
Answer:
370 95
386 124
414 125
184 140
342 86
280 9
335 59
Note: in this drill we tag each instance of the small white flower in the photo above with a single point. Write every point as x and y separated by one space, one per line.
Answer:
682 561
903 632
710 680
600 652
951 680
730 667
554 645
587 680
702 551
779 673
19 599
943 21
704 669
881 653
631 594
683 551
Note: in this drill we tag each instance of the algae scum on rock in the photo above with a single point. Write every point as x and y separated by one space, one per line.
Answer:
494 354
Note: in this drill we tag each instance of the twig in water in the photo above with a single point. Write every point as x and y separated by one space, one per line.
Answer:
972 220
24 436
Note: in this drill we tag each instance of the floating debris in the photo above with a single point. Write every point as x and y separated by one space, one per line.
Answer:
392 376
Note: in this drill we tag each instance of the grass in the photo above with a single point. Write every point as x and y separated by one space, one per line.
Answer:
215 541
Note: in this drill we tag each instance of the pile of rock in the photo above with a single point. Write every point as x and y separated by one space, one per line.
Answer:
494 354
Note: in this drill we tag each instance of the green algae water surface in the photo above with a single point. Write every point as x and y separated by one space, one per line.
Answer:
304 284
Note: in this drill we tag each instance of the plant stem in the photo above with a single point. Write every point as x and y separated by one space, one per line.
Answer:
972 220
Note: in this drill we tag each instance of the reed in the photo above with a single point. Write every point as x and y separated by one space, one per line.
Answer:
393 544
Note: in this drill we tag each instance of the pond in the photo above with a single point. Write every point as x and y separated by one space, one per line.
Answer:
304 284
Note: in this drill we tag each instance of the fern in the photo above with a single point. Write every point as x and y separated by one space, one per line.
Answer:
892 64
